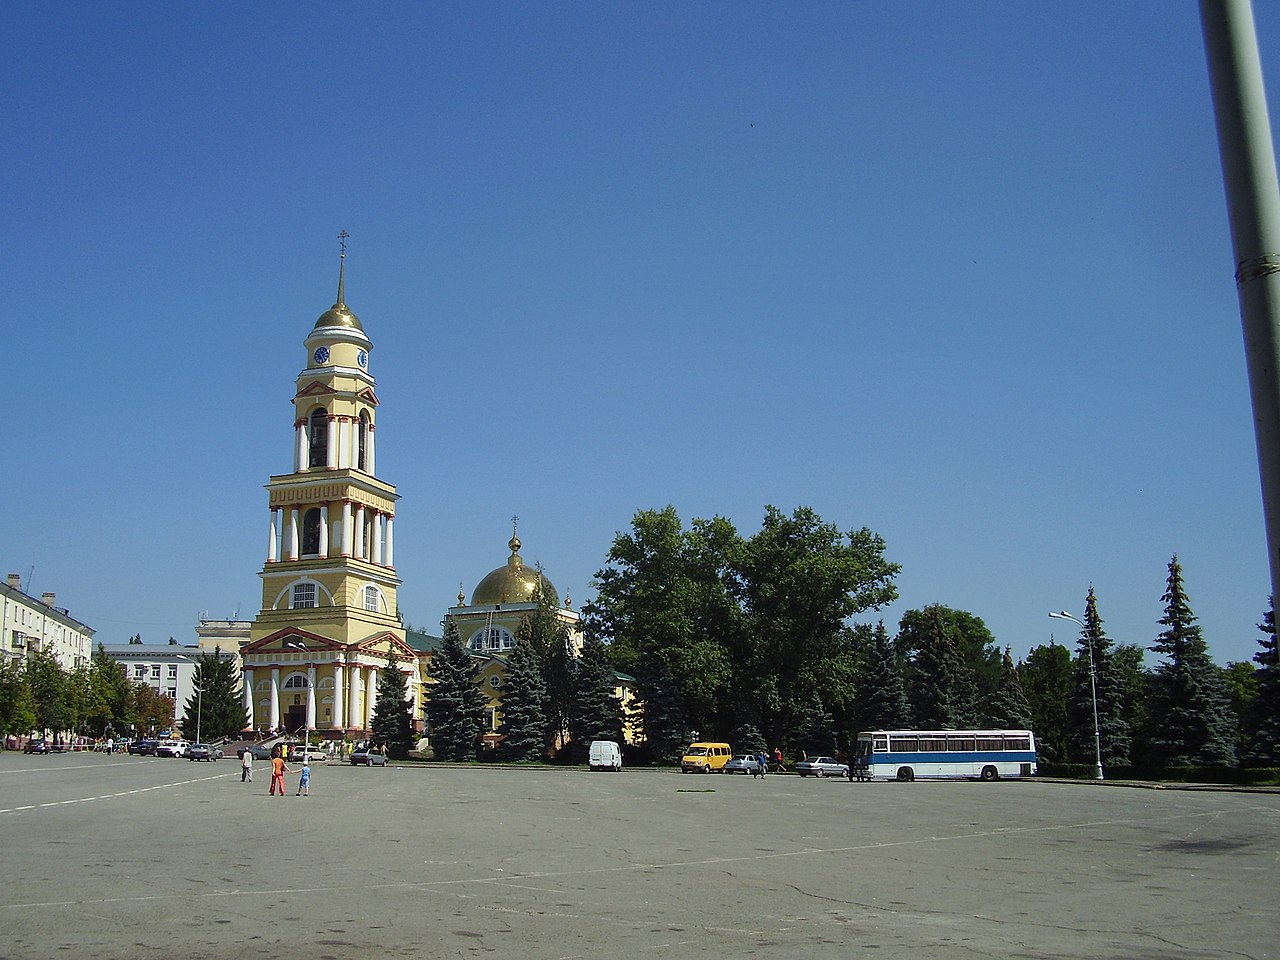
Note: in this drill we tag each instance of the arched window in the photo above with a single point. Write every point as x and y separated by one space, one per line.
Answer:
311 533
362 454
318 424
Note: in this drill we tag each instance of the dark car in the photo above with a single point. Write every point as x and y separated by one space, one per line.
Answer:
143 748
203 751
367 756
37 746
259 751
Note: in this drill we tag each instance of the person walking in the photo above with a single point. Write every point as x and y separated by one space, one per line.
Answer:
278 770
246 766
777 759
304 781
763 761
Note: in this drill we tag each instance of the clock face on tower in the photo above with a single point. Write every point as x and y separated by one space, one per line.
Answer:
362 358
322 355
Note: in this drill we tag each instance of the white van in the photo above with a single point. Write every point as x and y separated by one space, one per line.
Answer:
605 755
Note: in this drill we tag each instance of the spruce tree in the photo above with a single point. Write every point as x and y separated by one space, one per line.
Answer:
216 707
393 713
815 729
1008 708
881 695
1114 734
597 714
940 698
1190 709
524 721
666 730
1262 723
456 706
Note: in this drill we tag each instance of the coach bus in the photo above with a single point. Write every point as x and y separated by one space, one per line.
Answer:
944 754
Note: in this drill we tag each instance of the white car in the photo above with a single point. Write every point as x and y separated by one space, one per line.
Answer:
172 748
822 767
298 754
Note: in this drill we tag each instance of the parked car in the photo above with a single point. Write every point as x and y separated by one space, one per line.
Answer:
822 767
172 748
605 755
259 751
144 748
367 756
742 763
299 753
203 751
37 746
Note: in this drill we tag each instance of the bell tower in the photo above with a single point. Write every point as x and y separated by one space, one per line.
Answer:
329 584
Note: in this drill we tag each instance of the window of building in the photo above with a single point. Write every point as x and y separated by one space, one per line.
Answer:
173 671
311 533
318 427
304 595
139 670
296 682
495 681
491 638
371 598
155 671
362 440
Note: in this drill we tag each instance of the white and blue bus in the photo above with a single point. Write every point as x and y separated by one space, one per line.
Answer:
950 754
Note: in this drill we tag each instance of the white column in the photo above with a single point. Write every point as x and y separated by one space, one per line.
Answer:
361 532
339 714
293 534
299 446
273 536
389 548
332 452
369 450
356 426
275 697
311 695
324 530
246 690
376 528
353 697
348 530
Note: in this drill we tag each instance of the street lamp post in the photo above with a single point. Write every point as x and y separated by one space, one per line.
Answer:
1093 691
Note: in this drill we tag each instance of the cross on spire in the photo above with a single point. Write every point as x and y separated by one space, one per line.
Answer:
342 243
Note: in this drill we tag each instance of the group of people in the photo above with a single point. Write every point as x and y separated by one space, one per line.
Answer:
278 769
762 763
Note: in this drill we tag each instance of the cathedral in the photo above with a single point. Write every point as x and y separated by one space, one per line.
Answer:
330 621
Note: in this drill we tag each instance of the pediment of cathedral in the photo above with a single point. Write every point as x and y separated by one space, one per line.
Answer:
316 389
282 641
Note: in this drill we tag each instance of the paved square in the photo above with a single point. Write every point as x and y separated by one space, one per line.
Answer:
114 857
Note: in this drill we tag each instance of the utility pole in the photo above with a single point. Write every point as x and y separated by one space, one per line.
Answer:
1253 203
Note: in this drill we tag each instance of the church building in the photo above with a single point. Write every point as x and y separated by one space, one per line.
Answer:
330 621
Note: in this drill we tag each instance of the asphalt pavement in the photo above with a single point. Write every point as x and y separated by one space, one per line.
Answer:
139 858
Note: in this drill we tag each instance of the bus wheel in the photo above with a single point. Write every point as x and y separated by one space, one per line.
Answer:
990 773
906 774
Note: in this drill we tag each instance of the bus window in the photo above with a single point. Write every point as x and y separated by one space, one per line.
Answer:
990 744
905 744
881 745
1017 743
933 744
962 744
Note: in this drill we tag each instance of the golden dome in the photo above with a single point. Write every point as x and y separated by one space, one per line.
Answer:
339 316
512 582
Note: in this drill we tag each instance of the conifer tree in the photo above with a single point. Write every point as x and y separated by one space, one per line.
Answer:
881 694
456 706
216 707
1190 710
940 696
1045 676
1262 724
524 721
1008 708
597 714
665 728
1113 729
393 713
815 729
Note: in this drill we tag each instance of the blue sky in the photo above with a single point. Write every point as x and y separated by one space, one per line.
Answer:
959 273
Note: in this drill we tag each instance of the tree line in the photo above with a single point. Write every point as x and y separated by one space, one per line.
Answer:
96 699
